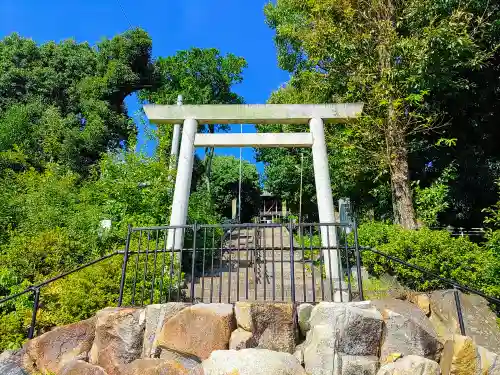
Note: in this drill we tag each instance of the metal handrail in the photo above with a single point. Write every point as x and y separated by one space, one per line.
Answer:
35 289
456 286
349 249
453 283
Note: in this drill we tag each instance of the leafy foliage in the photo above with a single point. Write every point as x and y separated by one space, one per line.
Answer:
66 164
438 252
64 102
57 228
201 76
434 199
407 61
224 181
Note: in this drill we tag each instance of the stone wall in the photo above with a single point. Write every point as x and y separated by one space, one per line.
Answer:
381 337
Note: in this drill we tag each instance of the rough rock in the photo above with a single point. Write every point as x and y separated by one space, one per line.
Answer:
480 322
10 364
156 315
118 338
272 324
407 330
357 326
461 356
199 329
299 353
251 362
303 314
81 368
50 351
186 360
490 362
422 301
243 315
319 350
410 365
393 357
197 371
348 329
356 365
150 366
323 312
9 368
241 339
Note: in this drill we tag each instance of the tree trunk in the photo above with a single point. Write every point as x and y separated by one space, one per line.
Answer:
395 132
402 201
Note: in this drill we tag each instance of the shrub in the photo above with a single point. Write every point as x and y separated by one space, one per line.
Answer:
458 259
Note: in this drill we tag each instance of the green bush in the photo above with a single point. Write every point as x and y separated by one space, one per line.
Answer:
457 259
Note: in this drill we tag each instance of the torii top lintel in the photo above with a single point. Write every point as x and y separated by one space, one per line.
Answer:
253 113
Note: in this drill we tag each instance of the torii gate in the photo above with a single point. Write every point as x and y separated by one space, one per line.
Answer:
313 114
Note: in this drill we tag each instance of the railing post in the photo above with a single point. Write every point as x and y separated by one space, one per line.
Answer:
36 302
124 266
195 229
292 263
459 310
358 260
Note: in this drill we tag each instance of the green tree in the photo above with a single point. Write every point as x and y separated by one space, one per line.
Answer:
391 55
201 76
64 102
224 181
51 223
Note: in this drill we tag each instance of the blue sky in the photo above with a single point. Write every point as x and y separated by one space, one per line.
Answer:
235 26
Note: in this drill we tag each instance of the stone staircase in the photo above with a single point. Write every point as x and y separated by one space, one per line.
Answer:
256 266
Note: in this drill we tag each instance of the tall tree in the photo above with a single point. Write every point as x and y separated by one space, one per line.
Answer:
64 102
201 76
224 180
392 55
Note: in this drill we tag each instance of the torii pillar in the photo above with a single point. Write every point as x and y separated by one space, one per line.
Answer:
316 115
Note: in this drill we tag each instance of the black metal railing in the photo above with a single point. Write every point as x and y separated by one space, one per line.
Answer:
36 289
306 262
233 262
457 287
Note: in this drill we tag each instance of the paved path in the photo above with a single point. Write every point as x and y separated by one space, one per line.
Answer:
256 265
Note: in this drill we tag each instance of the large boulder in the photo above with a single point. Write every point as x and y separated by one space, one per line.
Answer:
319 350
356 326
480 322
81 368
407 330
271 324
156 315
188 361
150 366
461 356
323 313
422 301
10 364
118 338
303 314
410 365
199 329
50 351
251 362
341 330
241 339
356 365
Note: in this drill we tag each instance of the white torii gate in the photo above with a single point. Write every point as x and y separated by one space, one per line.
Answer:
316 115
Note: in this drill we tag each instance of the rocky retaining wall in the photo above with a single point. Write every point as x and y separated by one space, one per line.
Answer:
383 337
